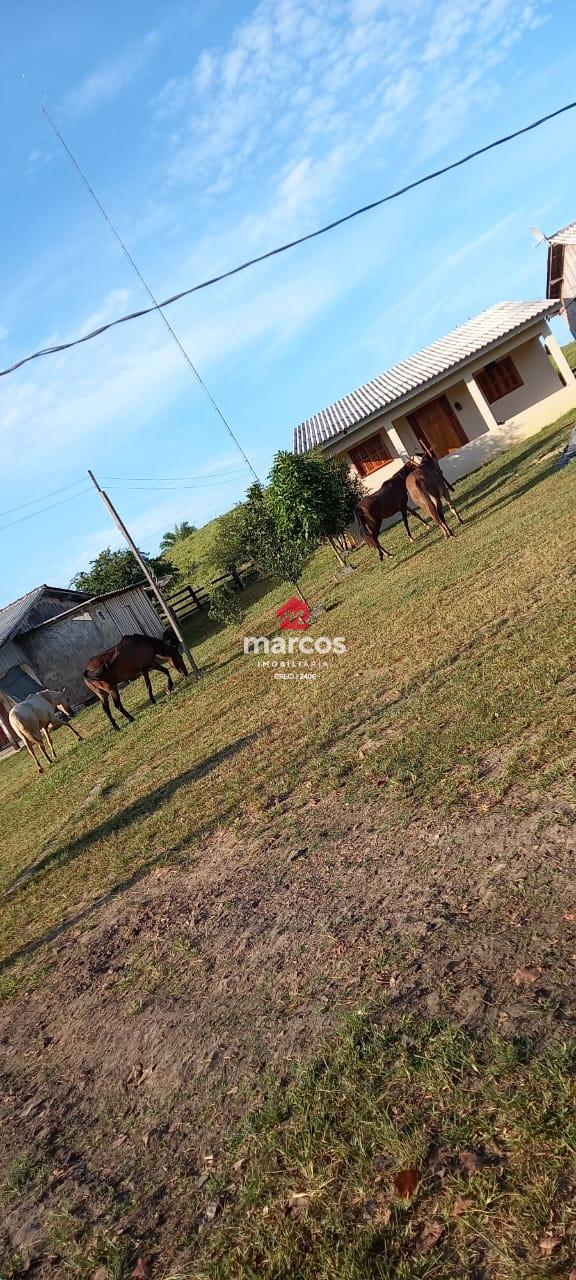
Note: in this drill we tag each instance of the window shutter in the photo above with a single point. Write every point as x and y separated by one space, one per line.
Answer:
370 455
498 379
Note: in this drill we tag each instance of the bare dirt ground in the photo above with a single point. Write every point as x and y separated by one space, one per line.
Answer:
121 1076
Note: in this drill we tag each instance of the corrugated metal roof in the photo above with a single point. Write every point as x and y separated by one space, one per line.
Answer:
566 235
85 602
421 370
13 616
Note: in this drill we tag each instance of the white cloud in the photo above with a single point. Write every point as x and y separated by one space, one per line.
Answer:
37 160
109 80
304 88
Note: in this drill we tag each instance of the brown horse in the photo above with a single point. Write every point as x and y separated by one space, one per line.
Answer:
421 479
427 485
389 500
133 656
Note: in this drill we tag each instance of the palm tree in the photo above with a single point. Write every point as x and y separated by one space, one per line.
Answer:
180 531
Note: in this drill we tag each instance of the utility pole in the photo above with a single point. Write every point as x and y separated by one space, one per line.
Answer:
147 572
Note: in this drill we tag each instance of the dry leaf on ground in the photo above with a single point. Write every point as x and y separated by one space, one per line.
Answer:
143 1269
523 977
461 1205
548 1244
405 1183
212 1209
470 1162
428 1236
298 1203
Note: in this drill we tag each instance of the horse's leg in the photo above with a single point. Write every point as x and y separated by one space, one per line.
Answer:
428 503
414 512
104 699
404 514
66 724
454 511
30 751
73 730
373 535
118 702
446 530
157 666
46 731
42 746
146 675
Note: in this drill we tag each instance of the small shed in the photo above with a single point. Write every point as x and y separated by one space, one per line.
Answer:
17 677
59 648
48 635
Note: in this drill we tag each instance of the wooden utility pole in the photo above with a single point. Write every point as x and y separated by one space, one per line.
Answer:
147 572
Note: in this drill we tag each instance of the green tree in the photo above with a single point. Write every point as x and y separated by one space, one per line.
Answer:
265 541
177 534
227 550
112 570
312 499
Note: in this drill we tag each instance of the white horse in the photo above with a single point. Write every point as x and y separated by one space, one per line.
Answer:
36 715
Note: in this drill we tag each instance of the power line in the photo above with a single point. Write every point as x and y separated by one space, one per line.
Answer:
42 498
32 514
207 475
175 488
271 253
157 306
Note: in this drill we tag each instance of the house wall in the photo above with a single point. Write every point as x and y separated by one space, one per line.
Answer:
539 379
569 286
61 650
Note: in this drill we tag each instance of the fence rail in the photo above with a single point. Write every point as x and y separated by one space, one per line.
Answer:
187 600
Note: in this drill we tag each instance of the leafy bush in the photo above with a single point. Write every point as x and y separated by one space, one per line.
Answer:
225 605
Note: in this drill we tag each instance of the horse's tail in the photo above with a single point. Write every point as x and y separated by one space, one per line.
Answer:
366 533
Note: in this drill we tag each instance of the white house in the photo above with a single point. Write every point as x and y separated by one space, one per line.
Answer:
562 272
495 379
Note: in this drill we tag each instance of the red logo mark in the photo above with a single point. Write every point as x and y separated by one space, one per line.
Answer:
294 615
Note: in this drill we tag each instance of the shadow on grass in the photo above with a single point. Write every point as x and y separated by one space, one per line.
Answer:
489 483
65 925
141 808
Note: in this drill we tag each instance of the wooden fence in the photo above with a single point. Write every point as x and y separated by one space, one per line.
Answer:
186 601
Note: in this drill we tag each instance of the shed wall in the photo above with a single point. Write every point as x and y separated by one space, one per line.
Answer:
60 651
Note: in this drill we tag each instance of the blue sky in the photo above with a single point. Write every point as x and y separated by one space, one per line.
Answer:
212 132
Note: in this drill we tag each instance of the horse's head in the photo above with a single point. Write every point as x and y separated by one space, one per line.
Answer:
171 650
60 700
426 459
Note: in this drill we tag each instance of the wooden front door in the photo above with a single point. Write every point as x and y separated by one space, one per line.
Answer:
437 426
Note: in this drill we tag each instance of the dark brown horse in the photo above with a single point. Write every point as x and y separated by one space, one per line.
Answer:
427 486
133 656
421 479
389 500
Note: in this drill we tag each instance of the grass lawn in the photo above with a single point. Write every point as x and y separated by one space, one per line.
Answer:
570 353
456 691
